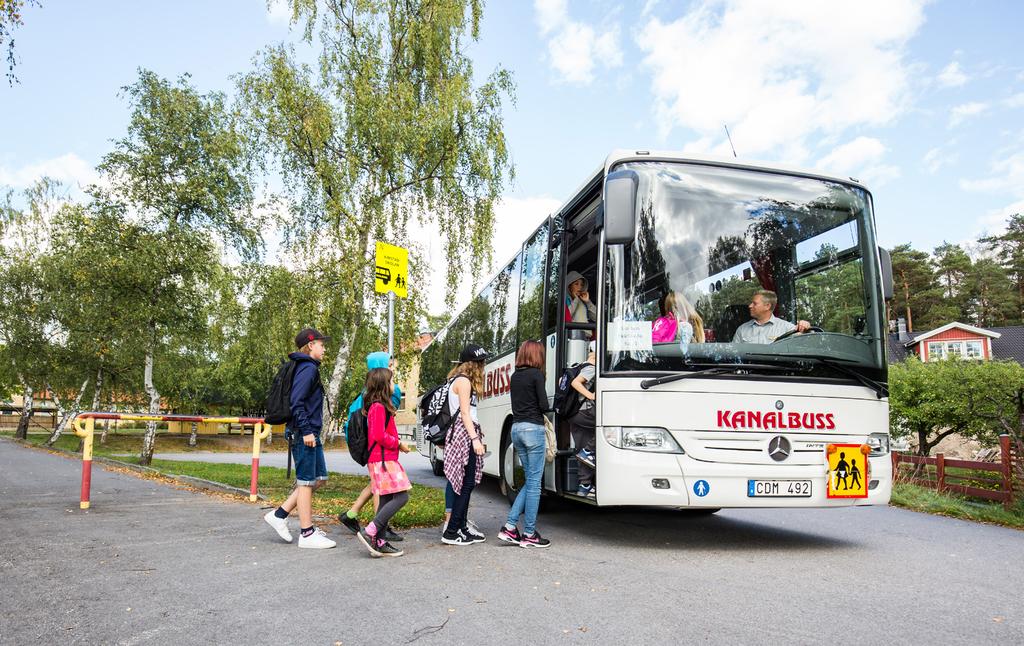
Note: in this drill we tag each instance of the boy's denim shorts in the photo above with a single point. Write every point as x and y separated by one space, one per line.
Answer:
310 465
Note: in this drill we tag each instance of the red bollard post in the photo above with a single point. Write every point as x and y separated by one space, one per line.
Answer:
86 433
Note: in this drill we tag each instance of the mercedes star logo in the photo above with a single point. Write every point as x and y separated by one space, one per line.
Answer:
779 448
779 405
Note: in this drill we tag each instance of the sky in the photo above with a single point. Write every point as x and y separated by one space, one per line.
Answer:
922 101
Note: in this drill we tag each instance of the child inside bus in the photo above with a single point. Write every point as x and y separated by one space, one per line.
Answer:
578 306
679 321
583 425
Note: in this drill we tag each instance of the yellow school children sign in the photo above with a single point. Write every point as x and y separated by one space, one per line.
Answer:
391 270
847 470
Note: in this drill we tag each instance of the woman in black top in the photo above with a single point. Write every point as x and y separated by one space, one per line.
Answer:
529 403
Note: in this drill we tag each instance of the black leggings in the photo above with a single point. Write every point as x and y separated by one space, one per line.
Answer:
461 507
389 505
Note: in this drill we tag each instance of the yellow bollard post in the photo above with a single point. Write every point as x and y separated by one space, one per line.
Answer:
259 433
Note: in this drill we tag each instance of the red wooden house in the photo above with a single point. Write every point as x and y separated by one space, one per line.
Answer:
959 340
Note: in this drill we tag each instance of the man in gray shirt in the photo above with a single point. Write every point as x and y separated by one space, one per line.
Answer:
763 326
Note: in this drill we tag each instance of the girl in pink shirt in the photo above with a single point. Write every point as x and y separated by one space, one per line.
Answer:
387 477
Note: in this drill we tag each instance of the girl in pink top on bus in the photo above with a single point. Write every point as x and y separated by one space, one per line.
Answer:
679 321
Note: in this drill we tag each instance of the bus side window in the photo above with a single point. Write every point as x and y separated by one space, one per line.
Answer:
531 295
556 302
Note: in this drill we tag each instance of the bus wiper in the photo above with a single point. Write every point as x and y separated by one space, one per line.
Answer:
881 388
717 369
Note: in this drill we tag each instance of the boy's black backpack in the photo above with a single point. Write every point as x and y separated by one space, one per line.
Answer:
435 414
567 400
358 439
279 404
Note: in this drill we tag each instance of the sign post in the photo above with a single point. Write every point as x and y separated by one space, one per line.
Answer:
391 277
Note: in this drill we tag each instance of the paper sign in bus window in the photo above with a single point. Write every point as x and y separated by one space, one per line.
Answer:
629 336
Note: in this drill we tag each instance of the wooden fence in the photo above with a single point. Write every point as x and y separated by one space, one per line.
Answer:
1017 462
933 472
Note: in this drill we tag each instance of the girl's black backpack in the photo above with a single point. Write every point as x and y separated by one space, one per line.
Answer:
359 436
567 400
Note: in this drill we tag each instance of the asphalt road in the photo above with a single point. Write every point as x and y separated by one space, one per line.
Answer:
150 563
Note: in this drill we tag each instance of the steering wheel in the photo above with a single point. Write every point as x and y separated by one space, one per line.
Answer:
813 328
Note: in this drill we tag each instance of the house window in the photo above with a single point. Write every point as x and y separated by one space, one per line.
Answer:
975 350
938 350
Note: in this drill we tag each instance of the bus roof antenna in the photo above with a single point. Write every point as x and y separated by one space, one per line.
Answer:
730 139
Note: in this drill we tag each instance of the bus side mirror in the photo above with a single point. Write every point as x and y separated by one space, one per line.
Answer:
620 189
886 266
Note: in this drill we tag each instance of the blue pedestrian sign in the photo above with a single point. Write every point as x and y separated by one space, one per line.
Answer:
701 488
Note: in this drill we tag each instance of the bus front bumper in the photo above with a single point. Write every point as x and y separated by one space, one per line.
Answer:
626 477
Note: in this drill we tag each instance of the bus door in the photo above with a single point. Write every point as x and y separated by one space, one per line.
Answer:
575 256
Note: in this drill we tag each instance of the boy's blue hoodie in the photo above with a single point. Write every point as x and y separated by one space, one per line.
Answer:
307 399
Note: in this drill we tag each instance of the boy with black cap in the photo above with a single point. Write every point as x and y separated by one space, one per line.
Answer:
303 431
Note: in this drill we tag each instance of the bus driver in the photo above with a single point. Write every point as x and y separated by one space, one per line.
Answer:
764 326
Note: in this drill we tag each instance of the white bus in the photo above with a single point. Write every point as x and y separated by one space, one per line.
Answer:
709 424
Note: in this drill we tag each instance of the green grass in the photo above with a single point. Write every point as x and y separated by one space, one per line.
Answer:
425 507
928 500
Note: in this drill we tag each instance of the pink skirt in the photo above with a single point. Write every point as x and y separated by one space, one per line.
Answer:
390 480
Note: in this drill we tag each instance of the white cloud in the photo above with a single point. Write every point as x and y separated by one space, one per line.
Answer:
965 111
861 158
575 48
780 74
952 75
1015 101
279 13
938 157
515 219
551 14
1007 176
994 222
853 155
68 169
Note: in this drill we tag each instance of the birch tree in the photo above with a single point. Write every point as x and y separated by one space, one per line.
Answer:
179 182
24 312
390 129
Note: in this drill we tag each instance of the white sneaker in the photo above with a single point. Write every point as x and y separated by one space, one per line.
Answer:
280 525
317 540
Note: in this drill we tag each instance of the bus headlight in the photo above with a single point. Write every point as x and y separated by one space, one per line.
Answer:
642 438
879 443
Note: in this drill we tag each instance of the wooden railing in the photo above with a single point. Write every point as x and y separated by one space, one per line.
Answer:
933 472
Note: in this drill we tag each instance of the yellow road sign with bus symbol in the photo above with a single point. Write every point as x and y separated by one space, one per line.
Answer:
391 270
847 470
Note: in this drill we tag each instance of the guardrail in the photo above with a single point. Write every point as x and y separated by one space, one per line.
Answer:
85 425
998 488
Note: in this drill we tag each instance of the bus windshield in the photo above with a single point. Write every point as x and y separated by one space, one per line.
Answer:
726 262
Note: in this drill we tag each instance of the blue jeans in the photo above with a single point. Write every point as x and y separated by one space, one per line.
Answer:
449 497
528 440
310 465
